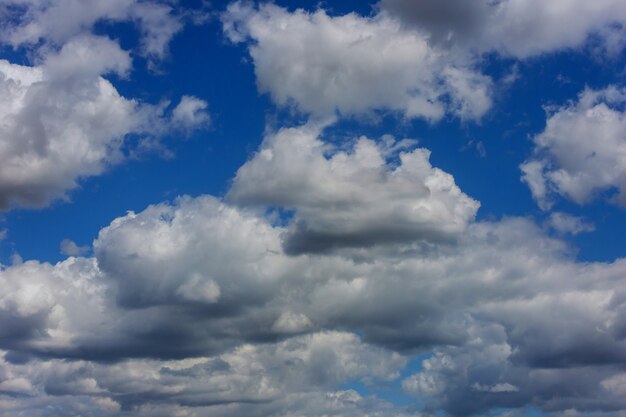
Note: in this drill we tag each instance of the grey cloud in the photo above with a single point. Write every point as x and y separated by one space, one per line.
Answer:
289 375
445 20
518 28
489 305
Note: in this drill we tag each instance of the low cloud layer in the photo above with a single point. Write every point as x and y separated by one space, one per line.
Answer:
214 277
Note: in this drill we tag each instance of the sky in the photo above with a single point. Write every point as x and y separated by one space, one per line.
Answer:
407 208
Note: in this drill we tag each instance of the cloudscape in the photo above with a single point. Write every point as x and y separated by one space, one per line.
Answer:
392 208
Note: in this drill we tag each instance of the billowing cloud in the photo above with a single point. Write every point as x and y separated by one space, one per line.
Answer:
62 121
581 154
517 28
352 198
215 278
353 65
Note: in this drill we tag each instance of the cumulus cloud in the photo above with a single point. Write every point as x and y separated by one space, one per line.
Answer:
62 121
582 151
216 278
517 28
30 21
352 198
353 65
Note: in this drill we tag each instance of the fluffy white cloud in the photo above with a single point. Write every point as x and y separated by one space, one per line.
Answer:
353 65
518 28
31 21
582 151
352 198
62 121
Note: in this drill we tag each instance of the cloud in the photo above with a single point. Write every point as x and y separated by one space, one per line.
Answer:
354 198
517 28
70 248
58 21
580 154
191 113
216 279
353 65
259 379
564 223
62 121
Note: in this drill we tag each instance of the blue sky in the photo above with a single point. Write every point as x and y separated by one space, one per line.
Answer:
304 209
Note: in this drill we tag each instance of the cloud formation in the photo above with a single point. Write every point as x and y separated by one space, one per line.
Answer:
354 198
62 121
328 266
30 21
581 154
215 278
353 65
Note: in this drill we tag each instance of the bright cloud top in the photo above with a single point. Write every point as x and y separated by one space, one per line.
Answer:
352 199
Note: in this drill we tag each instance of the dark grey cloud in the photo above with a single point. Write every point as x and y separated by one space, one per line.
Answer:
447 21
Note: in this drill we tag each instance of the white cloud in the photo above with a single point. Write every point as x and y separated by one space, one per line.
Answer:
565 223
58 21
62 121
582 151
351 198
354 65
191 113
